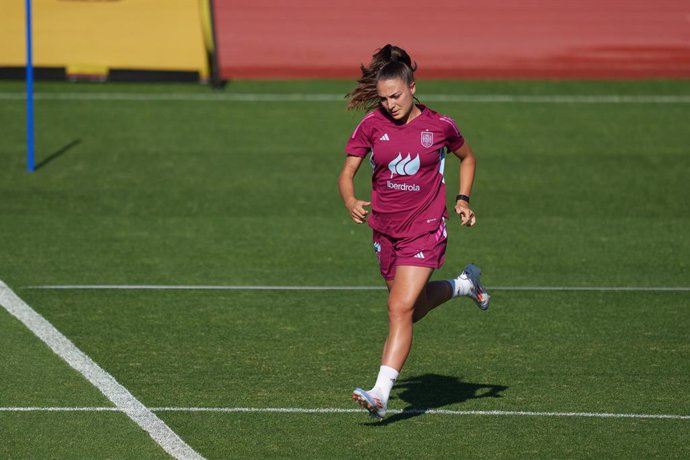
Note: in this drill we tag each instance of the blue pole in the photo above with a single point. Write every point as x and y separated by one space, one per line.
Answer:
30 164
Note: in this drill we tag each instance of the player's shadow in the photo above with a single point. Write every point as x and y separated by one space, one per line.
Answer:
58 153
432 391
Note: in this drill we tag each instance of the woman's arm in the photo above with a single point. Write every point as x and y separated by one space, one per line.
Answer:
467 167
346 185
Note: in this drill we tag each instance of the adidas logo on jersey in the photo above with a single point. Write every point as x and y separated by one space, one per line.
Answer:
419 255
384 137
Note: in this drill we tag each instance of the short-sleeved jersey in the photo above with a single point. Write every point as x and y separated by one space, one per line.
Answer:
408 188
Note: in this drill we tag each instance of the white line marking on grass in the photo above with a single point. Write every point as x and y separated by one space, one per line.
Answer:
346 288
207 287
593 288
106 383
294 410
60 409
297 410
328 97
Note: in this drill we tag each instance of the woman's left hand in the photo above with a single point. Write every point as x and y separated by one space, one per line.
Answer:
466 214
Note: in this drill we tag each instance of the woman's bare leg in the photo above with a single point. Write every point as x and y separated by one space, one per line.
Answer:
405 290
435 294
411 296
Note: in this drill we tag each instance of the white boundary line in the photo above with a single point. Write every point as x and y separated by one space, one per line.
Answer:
296 410
328 97
59 409
344 288
102 380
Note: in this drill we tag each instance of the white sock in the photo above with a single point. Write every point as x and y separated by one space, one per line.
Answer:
461 286
385 381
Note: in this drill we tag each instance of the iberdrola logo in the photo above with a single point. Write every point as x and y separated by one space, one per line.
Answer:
404 166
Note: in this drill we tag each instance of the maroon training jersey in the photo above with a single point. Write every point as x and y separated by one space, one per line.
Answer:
408 189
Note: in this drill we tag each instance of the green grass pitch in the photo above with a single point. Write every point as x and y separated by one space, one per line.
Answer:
228 192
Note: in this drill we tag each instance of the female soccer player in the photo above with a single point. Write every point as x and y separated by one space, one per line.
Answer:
408 142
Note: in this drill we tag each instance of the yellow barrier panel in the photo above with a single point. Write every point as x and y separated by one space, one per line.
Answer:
91 36
206 24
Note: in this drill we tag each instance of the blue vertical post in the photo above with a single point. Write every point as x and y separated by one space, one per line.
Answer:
30 163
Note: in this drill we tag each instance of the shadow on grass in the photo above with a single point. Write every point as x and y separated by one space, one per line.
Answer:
57 154
432 391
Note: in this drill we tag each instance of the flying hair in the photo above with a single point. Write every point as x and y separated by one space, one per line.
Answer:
386 63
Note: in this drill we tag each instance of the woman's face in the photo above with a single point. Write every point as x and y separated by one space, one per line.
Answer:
396 98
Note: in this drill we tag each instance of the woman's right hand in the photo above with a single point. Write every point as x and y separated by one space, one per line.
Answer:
357 210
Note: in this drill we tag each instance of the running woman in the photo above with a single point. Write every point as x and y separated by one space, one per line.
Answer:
407 212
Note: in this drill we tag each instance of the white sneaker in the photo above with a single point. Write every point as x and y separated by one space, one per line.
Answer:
477 291
369 402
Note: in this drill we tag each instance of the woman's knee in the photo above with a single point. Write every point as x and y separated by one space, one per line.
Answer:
400 310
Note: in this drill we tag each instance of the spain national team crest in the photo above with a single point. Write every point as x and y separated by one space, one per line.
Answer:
427 139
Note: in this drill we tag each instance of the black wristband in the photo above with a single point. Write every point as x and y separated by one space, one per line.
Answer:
463 197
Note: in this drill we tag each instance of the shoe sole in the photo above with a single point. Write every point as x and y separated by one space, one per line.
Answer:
484 305
360 397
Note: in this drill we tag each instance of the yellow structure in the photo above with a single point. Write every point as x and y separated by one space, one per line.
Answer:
93 36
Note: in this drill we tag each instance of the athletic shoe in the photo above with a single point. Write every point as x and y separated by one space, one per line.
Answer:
477 291
369 402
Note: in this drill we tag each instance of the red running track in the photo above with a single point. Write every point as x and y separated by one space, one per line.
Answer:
456 38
